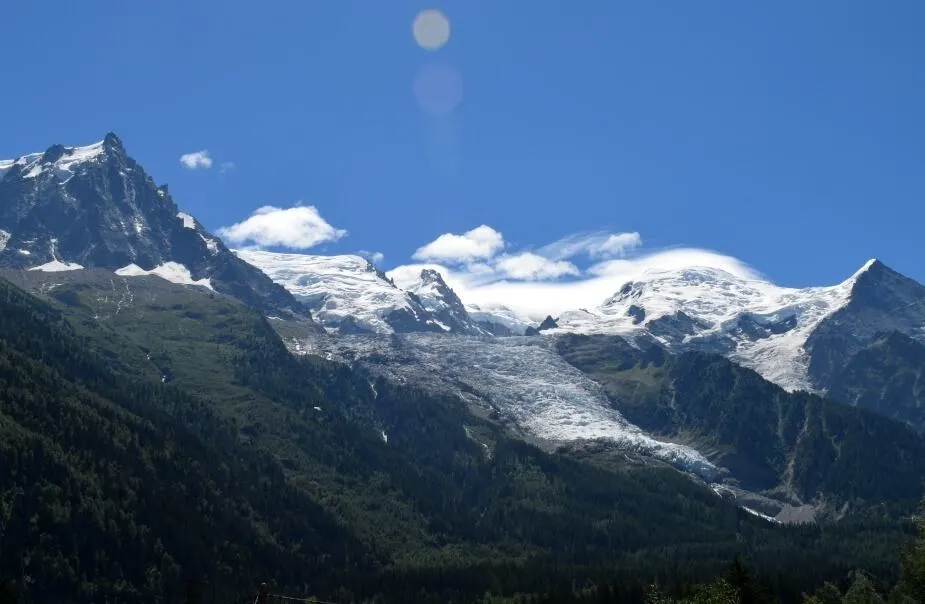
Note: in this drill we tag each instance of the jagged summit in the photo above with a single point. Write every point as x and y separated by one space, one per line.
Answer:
881 300
441 301
57 160
96 207
112 140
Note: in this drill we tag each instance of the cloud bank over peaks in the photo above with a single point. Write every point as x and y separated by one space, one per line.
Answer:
298 228
593 245
528 266
548 280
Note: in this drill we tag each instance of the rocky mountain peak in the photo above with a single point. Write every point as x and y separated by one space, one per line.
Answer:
441 301
113 142
429 275
53 154
881 300
95 207
874 275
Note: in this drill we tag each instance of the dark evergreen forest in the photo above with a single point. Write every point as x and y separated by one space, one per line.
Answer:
177 452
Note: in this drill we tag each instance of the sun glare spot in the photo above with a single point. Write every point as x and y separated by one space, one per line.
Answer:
431 29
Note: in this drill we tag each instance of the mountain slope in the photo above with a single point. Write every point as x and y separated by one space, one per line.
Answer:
432 489
122 489
884 377
882 301
94 206
795 447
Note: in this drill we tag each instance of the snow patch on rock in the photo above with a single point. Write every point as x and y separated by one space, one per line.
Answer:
169 271
56 266
211 244
33 166
188 221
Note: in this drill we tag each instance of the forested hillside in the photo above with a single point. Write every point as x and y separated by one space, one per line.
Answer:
159 437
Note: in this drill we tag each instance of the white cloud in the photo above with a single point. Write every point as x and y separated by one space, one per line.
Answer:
536 299
375 258
299 227
530 266
672 259
616 245
594 245
225 167
196 160
480 243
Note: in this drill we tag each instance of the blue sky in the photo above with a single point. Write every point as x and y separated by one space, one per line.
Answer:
788 134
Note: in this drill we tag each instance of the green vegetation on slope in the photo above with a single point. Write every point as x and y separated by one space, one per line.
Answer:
250 464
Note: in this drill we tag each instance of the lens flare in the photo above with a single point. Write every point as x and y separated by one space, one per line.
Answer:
431 29
438 88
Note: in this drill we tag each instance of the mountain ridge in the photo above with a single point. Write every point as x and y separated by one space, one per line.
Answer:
348 294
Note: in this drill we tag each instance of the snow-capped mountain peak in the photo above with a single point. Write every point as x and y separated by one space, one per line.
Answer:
441 301
880 301
753 321
345 293
60 161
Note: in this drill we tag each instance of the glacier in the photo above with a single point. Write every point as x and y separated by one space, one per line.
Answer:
534 391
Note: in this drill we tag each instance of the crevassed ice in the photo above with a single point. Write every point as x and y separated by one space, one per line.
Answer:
4 238
169 271
523 379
